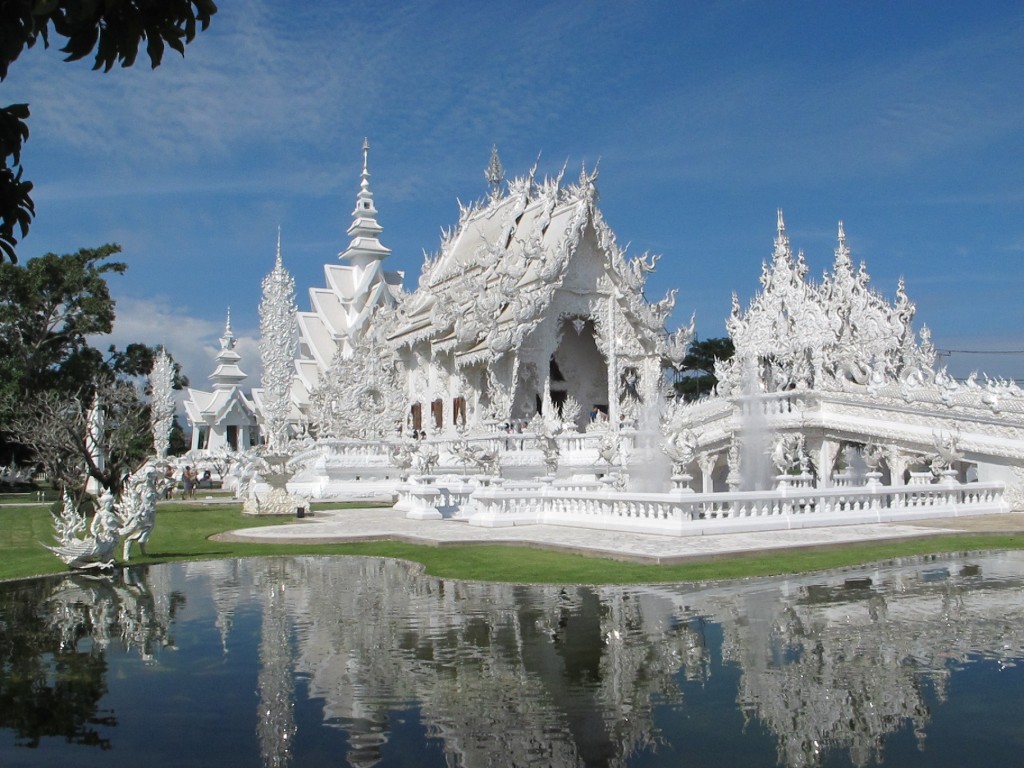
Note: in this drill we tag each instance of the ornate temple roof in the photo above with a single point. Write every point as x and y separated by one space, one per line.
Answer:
227 374
800 333
495 275
340 311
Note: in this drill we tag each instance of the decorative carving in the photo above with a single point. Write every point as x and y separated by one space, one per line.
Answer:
361 396
278 348
95 550
137 507
161 403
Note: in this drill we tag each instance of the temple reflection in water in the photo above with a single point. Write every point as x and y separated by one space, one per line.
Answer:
543 675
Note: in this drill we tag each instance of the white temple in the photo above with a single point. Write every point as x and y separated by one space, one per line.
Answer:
223 418
534 375
529 301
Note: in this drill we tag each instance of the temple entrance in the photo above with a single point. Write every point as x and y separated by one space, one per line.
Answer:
578 370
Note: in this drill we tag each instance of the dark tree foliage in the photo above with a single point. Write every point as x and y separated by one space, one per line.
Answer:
698 376
48 690
49 310
178 442
115 30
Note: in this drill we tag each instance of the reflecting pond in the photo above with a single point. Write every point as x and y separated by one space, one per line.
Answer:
362 661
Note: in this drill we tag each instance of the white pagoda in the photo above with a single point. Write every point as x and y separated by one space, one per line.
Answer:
341 311
224 417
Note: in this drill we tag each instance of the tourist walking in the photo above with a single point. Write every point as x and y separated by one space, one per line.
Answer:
188 483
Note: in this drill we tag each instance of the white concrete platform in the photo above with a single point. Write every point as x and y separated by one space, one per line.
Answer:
352 525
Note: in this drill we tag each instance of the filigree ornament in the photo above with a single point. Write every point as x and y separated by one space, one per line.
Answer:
823 336
161 403
278 349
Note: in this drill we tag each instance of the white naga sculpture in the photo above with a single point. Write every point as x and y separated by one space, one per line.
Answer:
96 550
137 507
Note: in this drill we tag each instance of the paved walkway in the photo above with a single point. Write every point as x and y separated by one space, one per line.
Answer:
351 525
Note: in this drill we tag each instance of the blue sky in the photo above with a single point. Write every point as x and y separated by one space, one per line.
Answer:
905 120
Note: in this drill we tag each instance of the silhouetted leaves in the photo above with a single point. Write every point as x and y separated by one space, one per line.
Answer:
114 30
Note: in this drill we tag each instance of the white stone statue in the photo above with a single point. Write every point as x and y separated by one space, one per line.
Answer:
681 448
137 507
424 459
547 431
95 550
788 454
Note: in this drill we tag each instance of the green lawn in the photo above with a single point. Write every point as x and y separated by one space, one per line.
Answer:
182 533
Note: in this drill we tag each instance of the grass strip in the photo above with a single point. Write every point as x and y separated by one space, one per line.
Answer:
183 532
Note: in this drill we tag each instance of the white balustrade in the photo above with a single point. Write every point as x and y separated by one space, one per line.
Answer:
689 513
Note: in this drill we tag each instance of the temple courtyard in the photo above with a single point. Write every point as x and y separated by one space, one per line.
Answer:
373 524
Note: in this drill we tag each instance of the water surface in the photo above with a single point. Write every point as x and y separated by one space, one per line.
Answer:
353 661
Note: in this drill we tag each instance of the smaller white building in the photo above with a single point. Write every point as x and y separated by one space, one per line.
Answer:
224 417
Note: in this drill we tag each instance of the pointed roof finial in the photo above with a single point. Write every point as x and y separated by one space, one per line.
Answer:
842 234
494 173
782 249
277 261
365 246
228 340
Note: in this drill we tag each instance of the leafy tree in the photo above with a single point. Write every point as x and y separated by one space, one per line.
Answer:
178 442
49 309
698 377
115 29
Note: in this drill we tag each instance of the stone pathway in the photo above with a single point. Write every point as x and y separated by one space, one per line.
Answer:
340 526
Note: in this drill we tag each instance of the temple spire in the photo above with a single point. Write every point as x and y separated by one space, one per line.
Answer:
365 247
494 173
227 374
227 341
843 262
782 249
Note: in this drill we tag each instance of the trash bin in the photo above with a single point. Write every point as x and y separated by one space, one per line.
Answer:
300 511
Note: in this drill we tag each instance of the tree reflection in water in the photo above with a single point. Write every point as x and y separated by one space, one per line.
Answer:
797 671
54 634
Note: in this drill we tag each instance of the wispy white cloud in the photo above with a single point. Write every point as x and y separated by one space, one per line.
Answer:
192 341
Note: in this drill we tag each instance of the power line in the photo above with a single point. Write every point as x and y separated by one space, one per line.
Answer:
980 351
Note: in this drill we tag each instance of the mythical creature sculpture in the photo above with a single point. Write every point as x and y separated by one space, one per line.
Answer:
681 448
95 550
476 455
547 431
137 508
788 454
424 459
947 451
401 454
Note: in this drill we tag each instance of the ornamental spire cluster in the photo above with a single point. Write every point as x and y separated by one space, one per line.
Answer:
278 348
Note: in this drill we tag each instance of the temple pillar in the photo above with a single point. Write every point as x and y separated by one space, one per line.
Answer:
823 454
613 365
706 462
897 462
